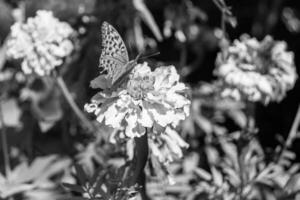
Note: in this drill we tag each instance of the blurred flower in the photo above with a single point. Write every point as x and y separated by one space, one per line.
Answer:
41 43
257 71
150 99
6 75
181 20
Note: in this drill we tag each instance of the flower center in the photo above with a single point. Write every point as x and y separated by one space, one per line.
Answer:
139 86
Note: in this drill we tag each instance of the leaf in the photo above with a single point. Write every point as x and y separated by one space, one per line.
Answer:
190 162
291 20
99 190
293 183
72 187
217 176
148 18
95 176
98 98
91 154
26 177
76 198
11 113
203 174
100 82
35 170
237 116
58 165
204 124
232 21
2 54
234 178
80 174
6 20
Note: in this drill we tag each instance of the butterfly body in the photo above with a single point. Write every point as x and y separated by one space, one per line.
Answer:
129 67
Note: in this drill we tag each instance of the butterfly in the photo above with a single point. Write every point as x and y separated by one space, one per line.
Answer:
114 56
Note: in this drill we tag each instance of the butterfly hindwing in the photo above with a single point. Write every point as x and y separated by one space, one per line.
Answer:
114 56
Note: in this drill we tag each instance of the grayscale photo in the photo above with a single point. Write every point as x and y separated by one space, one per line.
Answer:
149 100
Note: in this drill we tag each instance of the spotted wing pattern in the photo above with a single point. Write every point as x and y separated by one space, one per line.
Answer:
114 56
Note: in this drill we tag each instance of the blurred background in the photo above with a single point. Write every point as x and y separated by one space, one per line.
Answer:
187 33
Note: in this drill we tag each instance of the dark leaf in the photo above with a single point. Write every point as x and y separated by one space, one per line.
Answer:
80 174
72 187
148 18
99 190
76 198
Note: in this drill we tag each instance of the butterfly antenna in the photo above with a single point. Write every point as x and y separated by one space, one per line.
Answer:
147 56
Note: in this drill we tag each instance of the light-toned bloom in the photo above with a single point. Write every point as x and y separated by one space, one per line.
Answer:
152 101
164 148
149 99
167 147
256 71
41 43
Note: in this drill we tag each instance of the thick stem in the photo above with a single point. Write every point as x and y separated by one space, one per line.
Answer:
250 112
4 143
139 163
85 121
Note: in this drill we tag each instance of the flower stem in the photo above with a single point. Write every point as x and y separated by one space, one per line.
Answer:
223 23
292 135
250 114
293 132
4 143
85 121
139 163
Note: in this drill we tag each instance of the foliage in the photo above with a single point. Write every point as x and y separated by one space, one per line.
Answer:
81 120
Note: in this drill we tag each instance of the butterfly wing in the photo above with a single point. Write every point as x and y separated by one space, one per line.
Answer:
114 56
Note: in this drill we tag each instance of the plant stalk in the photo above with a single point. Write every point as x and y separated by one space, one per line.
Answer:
138 164
292 135
85 121
293 132
4 144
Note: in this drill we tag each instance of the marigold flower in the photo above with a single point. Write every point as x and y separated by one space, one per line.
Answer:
41 43
257 71
164 148
167 147
149 99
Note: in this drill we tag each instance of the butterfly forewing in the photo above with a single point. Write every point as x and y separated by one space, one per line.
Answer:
114 56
